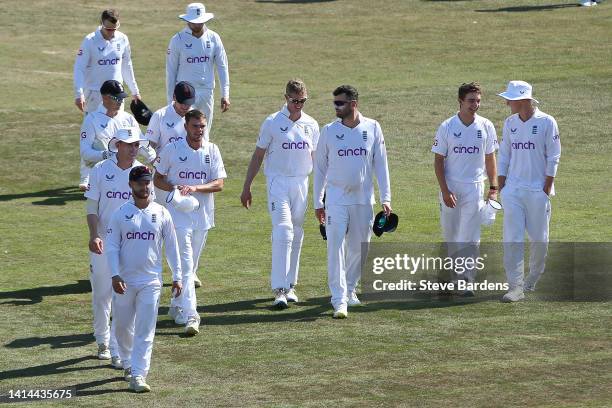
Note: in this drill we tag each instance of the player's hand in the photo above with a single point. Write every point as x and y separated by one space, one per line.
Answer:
225 104
80 103
96 245
320 215
177 288
186 190
492 195
136 97
449 199
246 198
119 285
387 209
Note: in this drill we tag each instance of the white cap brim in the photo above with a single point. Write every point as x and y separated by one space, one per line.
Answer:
112 145
513 97
198 19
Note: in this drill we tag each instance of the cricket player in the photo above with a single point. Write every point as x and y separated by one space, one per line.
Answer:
350 152
104 54
464 150
100 126
528 159
287 141
135 236
193 166
108 189
192 56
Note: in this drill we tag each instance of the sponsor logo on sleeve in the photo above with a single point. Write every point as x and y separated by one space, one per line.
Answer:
555 137
83 135
80 52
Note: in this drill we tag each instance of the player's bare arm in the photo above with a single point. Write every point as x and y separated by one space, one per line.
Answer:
161 181
548 183
225 104
449 198
320 215
212 187
491 168
95 242
258 156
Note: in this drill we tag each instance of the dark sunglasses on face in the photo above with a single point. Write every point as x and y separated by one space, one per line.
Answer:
117 99
297 101
340 104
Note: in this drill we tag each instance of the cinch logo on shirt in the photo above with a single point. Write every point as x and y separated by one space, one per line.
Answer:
466 149
122 195
295 145
192 175
523 145
196 60
358 151
145 236
108 61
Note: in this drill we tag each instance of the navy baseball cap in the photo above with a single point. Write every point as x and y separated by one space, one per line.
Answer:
184 93
114 88
141 173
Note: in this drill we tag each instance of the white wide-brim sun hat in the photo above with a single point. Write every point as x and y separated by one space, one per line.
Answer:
196 13
127 135
518 90
183 203
488 212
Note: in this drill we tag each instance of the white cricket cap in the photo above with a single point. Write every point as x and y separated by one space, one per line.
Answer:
518 90
184 203
196 13
488 212
127 135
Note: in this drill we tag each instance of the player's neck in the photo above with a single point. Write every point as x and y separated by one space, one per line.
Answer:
111 112
195 145
124 163
107 37
526 113
295 116
467 118
141 203
352 120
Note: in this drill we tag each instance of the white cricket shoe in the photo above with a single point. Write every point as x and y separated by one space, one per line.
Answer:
340 312
127 374
280 299
116 362
196 281
192 327
103 352
353 300
514 295
178 315
138 384
291 296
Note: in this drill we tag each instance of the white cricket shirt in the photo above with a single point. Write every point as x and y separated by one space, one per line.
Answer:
109 186
134 241
289 145
193 60
100 60
345 161
166 126
183 165
529 150
465 147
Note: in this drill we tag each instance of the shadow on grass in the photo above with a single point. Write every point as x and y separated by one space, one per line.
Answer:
56 196
52 369
82 389
293 1
36 295
519 9
56 342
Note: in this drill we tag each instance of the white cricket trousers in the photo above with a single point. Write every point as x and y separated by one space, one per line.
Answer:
287 202
529 211
347 227
136 317
205 102
461 225
101 301
191 243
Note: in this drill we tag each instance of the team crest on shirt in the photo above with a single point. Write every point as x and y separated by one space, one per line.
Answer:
457 135
101 49
153 218
168 52
183 159
170 125
284 129
109 177
119 47
272 205
364 135
534 130
188 46
328 220
513 131
129 217
479 134
340 137
207 159
207 44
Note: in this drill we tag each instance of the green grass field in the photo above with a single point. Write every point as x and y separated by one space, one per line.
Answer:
407 58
